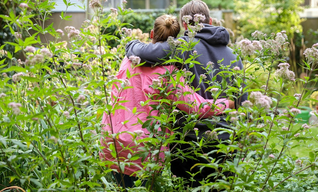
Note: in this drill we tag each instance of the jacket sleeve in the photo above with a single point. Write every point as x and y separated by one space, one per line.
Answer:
149 53
205 110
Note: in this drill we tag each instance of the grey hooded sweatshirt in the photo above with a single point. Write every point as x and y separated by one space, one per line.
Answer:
212 46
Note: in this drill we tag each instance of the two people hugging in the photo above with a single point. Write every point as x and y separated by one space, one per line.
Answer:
140 92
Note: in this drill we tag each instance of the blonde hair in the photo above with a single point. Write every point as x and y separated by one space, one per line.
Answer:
165 26
196 7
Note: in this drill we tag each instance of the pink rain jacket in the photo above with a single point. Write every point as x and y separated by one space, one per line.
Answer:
141 81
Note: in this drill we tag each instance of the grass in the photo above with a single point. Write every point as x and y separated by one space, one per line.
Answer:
298 148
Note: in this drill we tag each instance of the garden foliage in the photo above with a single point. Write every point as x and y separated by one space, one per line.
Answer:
53 98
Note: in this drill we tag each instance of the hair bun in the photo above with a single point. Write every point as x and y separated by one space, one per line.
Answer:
168 22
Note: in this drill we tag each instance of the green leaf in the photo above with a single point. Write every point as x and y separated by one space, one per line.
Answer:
134 110
36 182
31 79
15 68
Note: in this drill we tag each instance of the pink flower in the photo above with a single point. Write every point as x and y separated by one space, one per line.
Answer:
66 114
295 111
18 35
285 128
198 17
284 72
23 5
80 98
257 45
257 35
86 67
113 11
199 27
73 33
210 64
281 38
305 126
95 4
15 107
134 59
46 52
60 31
297 95
297 134
156 82
234 113
17 77
213 90
203 76
247 103
126 82
139 133
187 18
260 100
271 156
30 49
298 161
127 32
196 129
233 119
236 68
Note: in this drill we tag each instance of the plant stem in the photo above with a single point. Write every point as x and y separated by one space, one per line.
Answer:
292 175
108 111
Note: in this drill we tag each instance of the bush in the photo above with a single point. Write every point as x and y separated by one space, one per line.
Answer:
53 103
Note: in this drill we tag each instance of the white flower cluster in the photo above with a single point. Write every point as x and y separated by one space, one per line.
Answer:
126 31
72 32
312 53
17 77
248 47
134 59
95 4
198 17
260 100
284 72
15 107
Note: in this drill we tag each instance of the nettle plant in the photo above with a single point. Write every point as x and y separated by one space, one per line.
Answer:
53 99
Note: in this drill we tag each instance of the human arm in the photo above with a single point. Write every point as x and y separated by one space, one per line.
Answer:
194 103
149 53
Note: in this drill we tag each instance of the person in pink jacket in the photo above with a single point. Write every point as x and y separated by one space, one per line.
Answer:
122 127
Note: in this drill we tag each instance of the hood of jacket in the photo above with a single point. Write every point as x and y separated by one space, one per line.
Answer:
213 35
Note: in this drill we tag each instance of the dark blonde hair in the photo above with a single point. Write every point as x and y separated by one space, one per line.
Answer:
165 26
195 7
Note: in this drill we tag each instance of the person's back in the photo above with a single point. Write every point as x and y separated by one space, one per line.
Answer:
212 48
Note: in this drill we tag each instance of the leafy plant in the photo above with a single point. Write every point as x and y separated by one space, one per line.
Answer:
53 101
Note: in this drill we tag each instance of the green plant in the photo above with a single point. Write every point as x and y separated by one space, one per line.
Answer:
52 103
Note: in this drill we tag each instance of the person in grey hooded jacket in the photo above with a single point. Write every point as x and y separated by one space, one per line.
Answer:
212 47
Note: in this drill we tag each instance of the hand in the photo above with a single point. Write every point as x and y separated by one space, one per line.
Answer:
231 104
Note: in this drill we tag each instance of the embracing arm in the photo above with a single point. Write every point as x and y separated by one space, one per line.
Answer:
149 53
194 100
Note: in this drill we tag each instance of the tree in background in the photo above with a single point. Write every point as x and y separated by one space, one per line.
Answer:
270 16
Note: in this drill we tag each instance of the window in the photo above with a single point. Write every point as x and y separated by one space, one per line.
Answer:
136 4
111 3
149 4
60 6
